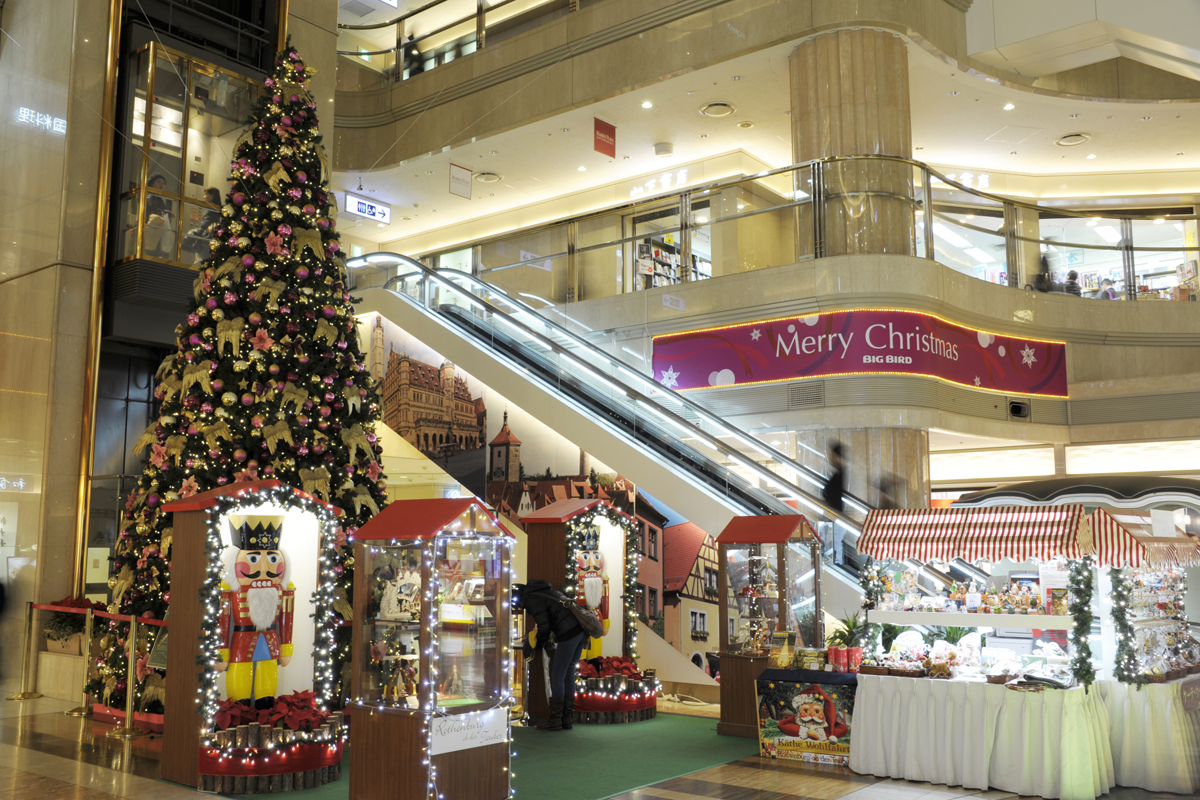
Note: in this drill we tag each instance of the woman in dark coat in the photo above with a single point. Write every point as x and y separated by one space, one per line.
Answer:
560 634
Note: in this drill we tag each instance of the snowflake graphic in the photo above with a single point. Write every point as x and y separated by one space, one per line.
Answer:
669 378
755 334
1027 356
977 381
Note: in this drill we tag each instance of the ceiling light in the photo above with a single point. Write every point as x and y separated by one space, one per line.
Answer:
953 94
920 148
1093 222
949 235
664 149
647 104
1072 139
746 125
406 219
1179 153
740 206
1108 233
704 136
624 158
1072 116
1159 221
717 109
381 225
737 77
701 219
1009 107
1090 156
428 172
487 177
491 152
566 130
1012 152
1144 119
583 169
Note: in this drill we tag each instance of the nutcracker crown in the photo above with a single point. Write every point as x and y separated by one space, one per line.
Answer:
591 538
251 532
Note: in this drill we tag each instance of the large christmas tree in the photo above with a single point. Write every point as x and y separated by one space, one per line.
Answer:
267 380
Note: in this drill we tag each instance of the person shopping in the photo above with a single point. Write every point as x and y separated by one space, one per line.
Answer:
835 486
557 633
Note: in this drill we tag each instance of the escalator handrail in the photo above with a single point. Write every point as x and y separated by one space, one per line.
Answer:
427 274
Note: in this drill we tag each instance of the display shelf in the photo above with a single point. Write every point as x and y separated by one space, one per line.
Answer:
1046 622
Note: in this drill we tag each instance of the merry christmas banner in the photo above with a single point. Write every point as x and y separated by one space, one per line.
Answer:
867 341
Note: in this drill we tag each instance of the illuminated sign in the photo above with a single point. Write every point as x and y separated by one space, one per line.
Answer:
12 484
368 208
28 116
661 184
866 341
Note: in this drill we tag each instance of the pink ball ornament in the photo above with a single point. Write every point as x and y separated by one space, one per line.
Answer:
325 411
206 407
214 453
328 380
284 230
189 463
222 480
318 448
166 599
334 246
302 450
255 318
276 98
268 470
381 486
323 223
293 98
211 303
362 393
371 437
303 359
231 298
195 340
152 500
323 425
341 345
350 469
302 421
193 319
257 421
330 397
249 278
302 273
218 384
338 569
240 455
284 310
286 121
247 399
239 198
248 260
301 177
329 311
147 615
349 381
293 376
309 209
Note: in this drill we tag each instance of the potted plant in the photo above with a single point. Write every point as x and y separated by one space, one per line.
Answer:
64 631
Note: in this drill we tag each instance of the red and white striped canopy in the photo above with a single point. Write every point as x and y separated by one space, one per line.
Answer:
1021 533
1126 539
920 533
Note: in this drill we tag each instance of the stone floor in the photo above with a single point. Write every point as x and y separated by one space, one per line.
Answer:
45 755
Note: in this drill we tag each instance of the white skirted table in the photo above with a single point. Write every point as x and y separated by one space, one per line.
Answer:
1051 744
1155 738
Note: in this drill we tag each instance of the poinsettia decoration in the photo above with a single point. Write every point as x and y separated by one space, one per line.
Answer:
298 711
607 666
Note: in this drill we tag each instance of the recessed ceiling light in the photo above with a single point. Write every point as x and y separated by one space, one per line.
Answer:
491 152
920 148
1091 156
566 130
741 206
953 94
491 194
647 104
406 219
717 109
1013 153
1009 106
1159 221
1147 118
487 177
746 125
624 158
705 136
583 169
1179 153
737 77
1072 116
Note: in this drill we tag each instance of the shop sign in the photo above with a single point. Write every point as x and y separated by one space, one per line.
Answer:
29 116
604 137
460 181
1189 692
456 732
860 342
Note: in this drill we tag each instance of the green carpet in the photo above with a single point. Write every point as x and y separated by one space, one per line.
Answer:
599 761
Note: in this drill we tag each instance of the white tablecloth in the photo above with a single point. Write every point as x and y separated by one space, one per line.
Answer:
1051 744
1155 743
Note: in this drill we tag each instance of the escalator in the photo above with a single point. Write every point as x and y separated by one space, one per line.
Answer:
684 454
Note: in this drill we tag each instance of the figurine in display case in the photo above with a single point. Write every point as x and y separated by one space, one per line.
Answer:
430 684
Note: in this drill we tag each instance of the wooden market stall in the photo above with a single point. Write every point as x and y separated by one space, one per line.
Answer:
763 559
430 682
965 731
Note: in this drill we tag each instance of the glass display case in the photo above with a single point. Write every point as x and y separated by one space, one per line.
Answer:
769 582
431 684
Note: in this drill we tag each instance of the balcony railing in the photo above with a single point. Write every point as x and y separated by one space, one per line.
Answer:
851 205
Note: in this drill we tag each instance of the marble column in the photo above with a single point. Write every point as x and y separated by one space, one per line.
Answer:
871 455
849 96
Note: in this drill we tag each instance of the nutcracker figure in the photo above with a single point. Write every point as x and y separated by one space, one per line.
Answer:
256 617
591 578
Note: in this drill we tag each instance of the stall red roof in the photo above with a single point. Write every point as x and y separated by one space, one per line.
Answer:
563 510
681 548
199 502
765 529
420 519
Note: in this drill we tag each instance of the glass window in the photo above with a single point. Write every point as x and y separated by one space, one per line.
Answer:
392 632
198 224
468 652
137 78
218 107
654 543
653 602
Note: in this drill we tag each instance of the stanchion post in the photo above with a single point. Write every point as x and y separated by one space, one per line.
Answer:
82 710
26 655
128 731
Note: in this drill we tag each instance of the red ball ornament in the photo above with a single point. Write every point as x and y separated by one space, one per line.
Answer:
257 421
147 615
302 273
325 411
247 399
240 455
318 448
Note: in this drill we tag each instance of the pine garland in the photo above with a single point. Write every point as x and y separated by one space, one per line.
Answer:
575 530
1081 591
1126 669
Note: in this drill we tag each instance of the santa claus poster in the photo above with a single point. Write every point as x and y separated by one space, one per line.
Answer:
805 721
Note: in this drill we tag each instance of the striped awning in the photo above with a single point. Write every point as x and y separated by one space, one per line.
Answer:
1021 533
1126 539
920 533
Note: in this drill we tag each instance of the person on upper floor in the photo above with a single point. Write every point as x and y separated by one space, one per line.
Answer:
1072 284
1106 290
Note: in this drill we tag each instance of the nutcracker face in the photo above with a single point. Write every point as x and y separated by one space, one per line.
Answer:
259 568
